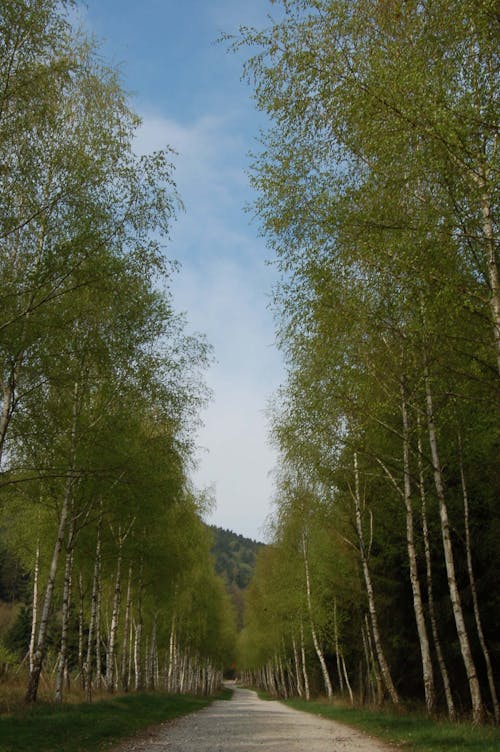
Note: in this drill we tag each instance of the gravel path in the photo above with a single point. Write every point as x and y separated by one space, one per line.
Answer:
245 723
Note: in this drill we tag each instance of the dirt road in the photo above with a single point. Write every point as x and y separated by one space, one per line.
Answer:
244 724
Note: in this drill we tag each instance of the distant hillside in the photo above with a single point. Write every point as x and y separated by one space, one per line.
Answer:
234 562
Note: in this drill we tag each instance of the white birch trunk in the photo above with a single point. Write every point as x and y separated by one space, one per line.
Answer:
475 692
369 669
98 655
425 653
8 388
88 666
153 661
337 648
138 656
130 654
113 630
66 605
384 666
171 657
282 678
349 689
80 629
182 675
34 613
472 581
304 664
147 664
39 654
138 667
125 681
430 591
298 676
317 647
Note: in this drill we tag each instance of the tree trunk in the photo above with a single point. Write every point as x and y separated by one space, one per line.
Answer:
349 689
317 647
88 668
146 663
298 676
8 388
39 654
66 606
430 591
430 693
337 647
171 657
125 682
138 667
113 630
304 664
130 653
282 679
475 692
472 581
137 656
384 666
375 664
98 656
34 613
80 629
370 668
152 659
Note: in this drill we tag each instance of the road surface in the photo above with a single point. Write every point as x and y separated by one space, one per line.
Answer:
246 724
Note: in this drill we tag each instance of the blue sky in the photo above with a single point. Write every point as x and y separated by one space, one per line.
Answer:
188 92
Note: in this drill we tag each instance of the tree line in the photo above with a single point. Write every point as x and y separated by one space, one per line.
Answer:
101 384
377 190
235 562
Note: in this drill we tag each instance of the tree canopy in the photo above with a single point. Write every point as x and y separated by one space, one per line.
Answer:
377 183
101 383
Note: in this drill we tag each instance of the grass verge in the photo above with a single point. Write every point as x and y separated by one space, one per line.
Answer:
91 727
411 732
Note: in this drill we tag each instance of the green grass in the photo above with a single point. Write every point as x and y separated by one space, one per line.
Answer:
411 732
91 727
225 694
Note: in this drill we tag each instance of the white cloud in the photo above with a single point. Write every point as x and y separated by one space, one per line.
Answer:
224 284
223 287
239 461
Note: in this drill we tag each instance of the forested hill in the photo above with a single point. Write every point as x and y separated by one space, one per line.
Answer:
234 562
234 556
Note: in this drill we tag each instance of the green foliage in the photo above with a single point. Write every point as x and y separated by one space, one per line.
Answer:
7 657
234 556
12 575
18 637
101 384
377 190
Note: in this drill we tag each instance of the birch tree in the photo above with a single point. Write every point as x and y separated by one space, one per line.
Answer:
370 195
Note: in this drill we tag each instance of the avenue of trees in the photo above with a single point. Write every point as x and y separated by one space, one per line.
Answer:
100 384
378 191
